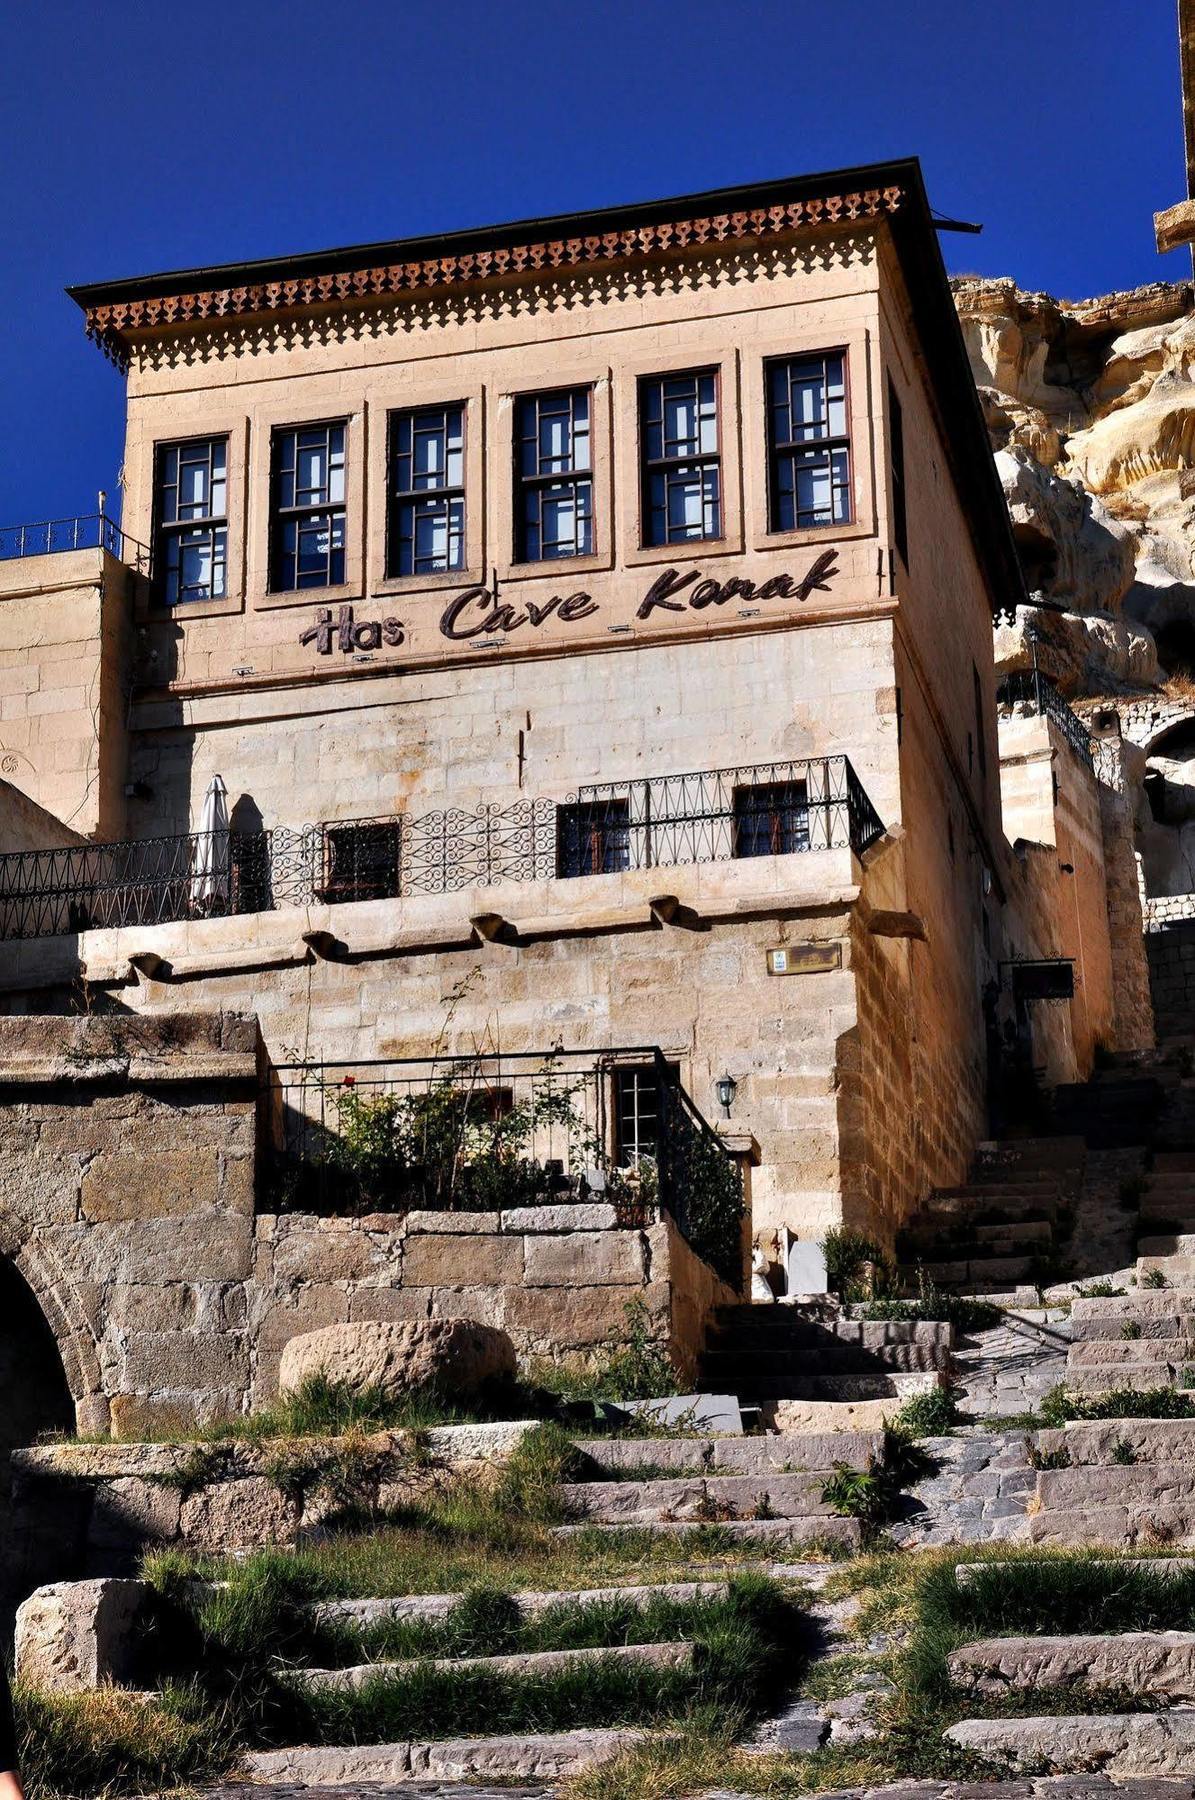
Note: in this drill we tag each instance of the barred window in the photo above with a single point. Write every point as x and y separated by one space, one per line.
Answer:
593 837
191 520
809 455
426 522
771 819
361 861
637 1112
307 507
680 458
896 439
553 476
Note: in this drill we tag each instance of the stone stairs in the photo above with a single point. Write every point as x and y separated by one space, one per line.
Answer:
1002 1228
770 1354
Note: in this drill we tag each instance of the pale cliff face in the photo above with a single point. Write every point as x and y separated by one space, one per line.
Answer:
1091 411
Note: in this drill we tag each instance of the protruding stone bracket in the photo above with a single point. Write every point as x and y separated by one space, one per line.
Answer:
897 925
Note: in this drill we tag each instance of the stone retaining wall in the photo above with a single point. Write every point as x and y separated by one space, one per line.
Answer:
127 1180
1166 909
1171 951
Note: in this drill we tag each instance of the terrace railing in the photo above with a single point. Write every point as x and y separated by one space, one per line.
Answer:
494 1132
89 531
1031 690
765 809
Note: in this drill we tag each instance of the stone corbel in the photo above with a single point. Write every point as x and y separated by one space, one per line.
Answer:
897 925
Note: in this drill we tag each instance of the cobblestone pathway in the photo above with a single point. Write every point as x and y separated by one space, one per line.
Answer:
374 1790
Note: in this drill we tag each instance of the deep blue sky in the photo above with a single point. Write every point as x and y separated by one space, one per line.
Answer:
144 136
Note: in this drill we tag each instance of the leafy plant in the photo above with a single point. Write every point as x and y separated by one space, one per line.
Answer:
1154 1278
1048 1459
848 1253
1059 1407
1130 1330
932 1414
1123 1453
933 1306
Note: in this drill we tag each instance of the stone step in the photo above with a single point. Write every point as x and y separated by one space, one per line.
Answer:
1138 1524
533 1664
1058 1150
1094 1442
967 1574
1179 1271
1102 1379
733 1369
785 1453
760 1388
383 1610
1106 1352
1153 1484
993 1272
1164 1313
1173 1162
813 1531
1160 1664
698 1499
1153 1743
964 1241
543 1756
787 1327
1172 1244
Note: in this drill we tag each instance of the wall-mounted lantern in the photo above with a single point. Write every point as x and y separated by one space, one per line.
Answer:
727 1088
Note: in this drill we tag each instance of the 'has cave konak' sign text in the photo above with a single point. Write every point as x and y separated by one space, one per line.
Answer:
477 612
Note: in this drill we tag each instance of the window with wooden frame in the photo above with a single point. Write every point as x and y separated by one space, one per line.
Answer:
981 746
593 837
680 458
307 506
771 818
191 521
553 475
425 519
809 451
361 861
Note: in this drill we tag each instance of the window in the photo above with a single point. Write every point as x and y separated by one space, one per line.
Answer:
980 740
361 862
191 520
809 457
426 522
896 442
637 1112
553 476
593 837
679 455
771 819
307 467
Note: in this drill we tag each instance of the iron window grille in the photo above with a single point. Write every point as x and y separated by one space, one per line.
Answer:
426 522
593 837
307 507
190 537
361 862
809 453
681 465
553 476
771 818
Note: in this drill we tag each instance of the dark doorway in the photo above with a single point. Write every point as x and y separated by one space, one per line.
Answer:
34 1396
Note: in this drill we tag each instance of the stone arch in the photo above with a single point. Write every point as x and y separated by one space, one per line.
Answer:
35 1390
64 1313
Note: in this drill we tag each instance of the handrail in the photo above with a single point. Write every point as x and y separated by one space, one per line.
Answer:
87 531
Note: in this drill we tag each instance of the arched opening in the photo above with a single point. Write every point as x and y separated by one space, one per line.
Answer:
34 1396
1038 558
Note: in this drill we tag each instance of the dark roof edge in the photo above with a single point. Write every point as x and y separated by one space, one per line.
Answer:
487 237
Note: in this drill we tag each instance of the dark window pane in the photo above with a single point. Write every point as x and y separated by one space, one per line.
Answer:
771 819
361 862
593 838
190 536
307 527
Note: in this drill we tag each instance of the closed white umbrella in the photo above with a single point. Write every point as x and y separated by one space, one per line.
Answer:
209 869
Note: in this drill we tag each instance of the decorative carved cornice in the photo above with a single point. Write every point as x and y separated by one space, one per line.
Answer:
109 325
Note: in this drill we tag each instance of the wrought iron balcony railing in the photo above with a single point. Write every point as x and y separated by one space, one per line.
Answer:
1030 689
491 1132
90 531
768 809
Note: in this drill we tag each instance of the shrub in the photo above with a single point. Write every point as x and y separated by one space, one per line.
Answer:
1123 1453
1130 1330
847 1252
934 1414
1119 1403
1153 1278
932 1306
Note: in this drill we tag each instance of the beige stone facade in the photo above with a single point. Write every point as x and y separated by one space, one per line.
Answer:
470 704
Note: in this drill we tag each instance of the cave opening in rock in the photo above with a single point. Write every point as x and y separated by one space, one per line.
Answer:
34 1396
1176 646
1038 557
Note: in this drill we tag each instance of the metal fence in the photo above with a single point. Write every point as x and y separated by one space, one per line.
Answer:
497 1131
89 531
758 810
1030 689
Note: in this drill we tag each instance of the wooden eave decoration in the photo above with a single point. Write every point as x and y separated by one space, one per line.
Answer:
109 325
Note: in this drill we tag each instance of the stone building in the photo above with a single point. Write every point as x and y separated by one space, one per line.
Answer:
590 622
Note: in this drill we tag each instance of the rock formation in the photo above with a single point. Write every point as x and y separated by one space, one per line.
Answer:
1091 411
